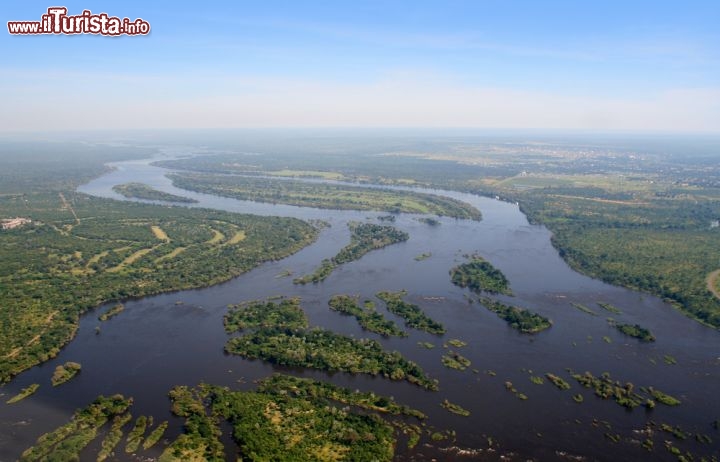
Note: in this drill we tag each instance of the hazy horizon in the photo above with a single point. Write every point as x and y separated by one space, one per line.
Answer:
644 67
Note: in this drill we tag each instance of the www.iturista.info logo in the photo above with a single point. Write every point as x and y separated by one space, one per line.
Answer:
57 21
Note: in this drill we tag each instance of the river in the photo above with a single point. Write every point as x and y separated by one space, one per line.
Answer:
157 343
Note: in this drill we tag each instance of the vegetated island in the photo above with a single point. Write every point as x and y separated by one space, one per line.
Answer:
367 317
519 318
323 195
480 276
624 394
456 361
412 314
634 331
143 191
286 314
455 408
24 393
316 348
65 372
61 266
68 441
288 419
364 238
112 312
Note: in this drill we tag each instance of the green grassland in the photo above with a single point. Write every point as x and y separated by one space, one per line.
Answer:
81 251
143 191
330 196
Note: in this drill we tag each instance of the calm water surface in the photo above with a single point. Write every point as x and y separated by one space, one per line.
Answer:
157 343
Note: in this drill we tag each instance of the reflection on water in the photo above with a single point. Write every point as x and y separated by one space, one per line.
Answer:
178 338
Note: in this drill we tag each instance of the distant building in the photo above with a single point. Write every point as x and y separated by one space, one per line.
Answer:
10 223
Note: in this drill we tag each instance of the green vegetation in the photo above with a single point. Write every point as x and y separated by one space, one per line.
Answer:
624 394
24 393
429 221
326 350
67 441
521 319
201 438
663 397
578 398
281 384
480 276
280 342
457 343
583 308
426 345
558 381
657 240
455 408
321 195
112 312
365 237
368 318
412 314
112 439
285 314
635 331
136 435
669 360
155 435
143 191
65 372
608 307
61 266
423 256
625 214
454 360
282 427
537 380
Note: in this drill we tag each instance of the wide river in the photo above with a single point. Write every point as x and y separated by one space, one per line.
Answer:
157 343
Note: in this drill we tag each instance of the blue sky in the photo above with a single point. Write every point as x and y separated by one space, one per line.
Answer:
600 65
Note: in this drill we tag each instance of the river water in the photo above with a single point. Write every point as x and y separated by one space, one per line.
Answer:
157 343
